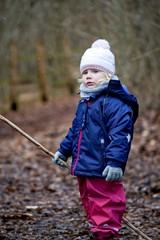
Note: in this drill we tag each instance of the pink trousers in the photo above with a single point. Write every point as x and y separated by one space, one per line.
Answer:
104 203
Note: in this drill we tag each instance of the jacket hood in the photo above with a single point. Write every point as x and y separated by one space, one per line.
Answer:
116 89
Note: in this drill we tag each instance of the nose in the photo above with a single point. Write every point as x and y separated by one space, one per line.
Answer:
89 75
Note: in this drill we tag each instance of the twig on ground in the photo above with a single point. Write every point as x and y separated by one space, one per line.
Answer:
129 224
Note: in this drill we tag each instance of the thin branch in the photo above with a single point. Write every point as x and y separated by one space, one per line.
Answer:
41 147
129 224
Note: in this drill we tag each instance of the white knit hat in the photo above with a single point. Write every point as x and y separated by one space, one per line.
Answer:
98 57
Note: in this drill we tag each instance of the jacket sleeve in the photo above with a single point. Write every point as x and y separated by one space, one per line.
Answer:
66 144
119 124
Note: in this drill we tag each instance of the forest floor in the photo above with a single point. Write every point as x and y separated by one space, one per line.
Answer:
39 200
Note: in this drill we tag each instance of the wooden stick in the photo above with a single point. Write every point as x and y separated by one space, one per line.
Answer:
127 222
41 147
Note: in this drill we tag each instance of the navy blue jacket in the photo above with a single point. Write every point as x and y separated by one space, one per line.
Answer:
101 132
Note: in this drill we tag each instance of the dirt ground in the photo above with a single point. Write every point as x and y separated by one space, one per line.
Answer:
39 200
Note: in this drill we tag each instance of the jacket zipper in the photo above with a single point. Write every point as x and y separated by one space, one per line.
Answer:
78 153
79 142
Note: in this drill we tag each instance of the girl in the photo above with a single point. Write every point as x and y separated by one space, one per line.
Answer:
99 141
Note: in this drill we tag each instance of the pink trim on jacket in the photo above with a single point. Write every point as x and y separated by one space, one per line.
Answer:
79 146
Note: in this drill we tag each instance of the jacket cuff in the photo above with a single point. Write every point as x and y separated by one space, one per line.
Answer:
115 163
64 153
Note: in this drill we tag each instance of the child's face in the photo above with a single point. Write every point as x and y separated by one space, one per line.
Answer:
92 78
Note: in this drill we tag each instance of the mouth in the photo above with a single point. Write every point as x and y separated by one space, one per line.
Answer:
90 84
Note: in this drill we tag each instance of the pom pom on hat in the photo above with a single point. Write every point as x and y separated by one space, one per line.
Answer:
101 43
98 57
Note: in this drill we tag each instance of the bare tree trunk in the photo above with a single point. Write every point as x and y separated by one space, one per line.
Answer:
42 71
13 77
68 65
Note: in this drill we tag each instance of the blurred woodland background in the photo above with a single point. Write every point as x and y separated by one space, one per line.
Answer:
41 43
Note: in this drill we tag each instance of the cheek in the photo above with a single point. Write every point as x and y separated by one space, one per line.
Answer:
83 80
101 75
97 79
97 82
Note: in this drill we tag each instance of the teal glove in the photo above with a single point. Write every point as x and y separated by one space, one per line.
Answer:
112 174
57 157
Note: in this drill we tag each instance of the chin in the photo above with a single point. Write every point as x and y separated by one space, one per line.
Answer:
90 87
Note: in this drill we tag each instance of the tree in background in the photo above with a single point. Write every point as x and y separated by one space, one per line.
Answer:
42 70
13 77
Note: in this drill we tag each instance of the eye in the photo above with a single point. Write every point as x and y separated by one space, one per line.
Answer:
95 70
85 72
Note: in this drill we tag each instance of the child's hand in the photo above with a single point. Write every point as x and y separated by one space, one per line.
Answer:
112 174
57 157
